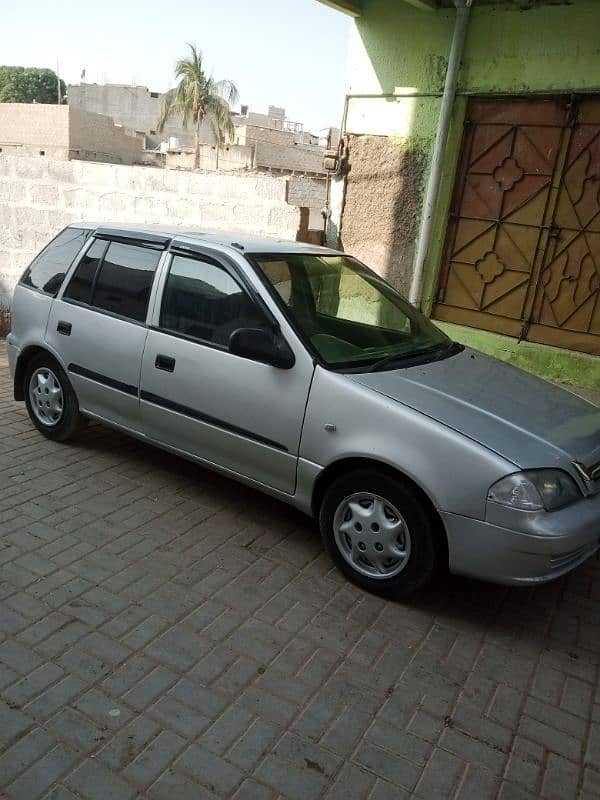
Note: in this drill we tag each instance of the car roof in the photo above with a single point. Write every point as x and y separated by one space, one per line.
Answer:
241 242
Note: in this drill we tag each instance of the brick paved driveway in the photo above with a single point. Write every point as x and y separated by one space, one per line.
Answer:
165 633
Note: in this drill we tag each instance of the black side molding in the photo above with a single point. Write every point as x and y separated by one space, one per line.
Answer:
126 388
186 411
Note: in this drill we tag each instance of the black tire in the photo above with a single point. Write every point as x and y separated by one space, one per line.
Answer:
424 558
70 421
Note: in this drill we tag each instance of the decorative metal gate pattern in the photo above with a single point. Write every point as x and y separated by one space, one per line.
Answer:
523 249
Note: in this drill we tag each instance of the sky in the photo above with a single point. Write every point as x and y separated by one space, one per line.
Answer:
289 53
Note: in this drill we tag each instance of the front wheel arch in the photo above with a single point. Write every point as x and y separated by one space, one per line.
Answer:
347 465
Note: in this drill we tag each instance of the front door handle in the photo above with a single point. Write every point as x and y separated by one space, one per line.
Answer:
165 363
64 327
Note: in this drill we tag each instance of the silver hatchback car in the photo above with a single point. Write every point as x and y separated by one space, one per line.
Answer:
299 371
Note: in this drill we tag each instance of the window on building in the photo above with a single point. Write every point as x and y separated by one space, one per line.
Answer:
154 94
203 301
47 271
115 277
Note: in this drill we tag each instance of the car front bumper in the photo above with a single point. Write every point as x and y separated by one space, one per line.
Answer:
548 544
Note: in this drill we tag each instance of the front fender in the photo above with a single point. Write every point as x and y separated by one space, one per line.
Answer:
451 469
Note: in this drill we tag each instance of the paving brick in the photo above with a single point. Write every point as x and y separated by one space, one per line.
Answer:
560 779
178 717
209 769
441 776
253 744
251 790
243 665
225 730
78 731
29 749
94 781
35 781
151 762
396 770
35 683
13 723
127 743
290 781
177 786
149 688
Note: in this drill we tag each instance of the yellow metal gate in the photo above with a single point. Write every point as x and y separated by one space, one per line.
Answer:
522 254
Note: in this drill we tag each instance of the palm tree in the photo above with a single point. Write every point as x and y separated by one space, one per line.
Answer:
197 97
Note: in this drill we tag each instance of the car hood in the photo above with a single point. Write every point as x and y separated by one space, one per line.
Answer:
523 418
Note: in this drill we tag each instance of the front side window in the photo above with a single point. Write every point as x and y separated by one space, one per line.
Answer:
48 269
350 316
115 277
203 301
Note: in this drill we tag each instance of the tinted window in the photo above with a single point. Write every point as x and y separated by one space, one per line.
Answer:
125 279
80 285
48 270
202 300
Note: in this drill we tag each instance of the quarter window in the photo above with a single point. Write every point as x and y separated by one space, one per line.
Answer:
203 301
115 277
48 269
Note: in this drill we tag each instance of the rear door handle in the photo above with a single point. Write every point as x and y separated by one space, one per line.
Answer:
64 327
165 363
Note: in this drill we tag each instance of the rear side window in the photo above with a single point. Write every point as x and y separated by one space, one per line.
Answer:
125 279
203 301
81 284
115 277
47 271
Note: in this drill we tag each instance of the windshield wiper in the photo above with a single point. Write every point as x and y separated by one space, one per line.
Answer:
439 350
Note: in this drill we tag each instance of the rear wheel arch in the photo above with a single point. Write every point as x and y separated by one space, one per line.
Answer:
347 465
24 358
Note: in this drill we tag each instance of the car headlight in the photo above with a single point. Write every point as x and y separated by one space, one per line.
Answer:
535 489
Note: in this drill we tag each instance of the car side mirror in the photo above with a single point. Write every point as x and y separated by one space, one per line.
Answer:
260 345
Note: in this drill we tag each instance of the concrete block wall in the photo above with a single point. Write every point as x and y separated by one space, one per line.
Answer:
93 137
301 158
38 197
34 129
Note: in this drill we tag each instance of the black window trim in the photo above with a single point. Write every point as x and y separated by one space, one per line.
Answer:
75 259
104 237
217 259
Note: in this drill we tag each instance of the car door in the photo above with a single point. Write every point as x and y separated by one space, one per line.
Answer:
233 412
97 325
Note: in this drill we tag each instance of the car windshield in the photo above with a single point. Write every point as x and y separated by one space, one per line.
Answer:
350 316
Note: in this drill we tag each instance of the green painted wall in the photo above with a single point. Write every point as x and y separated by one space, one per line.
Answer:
397 49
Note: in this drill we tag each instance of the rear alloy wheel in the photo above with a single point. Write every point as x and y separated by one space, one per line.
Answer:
50 399
378 532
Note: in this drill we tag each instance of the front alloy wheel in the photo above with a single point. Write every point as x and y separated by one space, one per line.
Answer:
380 531
372 535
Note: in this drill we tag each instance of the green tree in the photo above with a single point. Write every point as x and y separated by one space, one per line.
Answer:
197 97
29 85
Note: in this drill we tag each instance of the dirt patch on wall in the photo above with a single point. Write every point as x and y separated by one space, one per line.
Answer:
382 208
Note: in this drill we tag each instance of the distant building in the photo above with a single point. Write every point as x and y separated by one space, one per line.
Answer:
133 107
62 132
280 145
